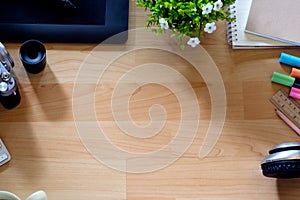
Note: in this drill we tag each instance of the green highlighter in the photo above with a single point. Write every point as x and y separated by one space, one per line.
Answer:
283 79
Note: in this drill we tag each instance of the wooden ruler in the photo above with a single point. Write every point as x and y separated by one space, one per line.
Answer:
288 106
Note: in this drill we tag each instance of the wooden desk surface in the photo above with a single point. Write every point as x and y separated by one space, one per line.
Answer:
47 152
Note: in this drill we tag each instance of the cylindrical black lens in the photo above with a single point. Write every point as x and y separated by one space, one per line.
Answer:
33 56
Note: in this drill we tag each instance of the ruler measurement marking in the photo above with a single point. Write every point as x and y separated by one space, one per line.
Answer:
287 106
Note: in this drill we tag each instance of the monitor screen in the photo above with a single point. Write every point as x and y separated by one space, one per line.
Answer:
50 21
53 12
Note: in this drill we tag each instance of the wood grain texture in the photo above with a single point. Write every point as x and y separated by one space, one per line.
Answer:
48 153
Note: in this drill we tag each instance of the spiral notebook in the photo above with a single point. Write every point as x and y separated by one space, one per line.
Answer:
275 19
238 38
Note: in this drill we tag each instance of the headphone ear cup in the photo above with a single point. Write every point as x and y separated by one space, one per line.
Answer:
282 169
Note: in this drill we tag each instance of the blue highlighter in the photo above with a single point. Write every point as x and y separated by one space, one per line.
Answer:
290 60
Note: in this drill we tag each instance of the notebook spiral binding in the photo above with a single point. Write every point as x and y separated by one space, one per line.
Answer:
231 26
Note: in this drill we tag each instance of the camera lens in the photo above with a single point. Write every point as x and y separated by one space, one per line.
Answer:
33 56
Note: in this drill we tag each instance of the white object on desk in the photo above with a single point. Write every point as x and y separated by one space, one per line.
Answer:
4 154
275 19
236 34
39 195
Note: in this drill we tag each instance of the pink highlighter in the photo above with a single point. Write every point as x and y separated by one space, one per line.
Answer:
295 93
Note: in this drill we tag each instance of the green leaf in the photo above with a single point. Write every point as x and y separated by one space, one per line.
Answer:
184 17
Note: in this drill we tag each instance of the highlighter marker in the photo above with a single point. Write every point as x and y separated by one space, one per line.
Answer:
283 79
295 93
289 60
295 73
296 83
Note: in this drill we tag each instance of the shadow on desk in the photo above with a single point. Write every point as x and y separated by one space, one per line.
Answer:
288 189
43 98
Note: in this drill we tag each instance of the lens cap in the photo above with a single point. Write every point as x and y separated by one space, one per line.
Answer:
33 56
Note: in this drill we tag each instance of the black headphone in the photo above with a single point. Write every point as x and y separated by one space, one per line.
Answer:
283 161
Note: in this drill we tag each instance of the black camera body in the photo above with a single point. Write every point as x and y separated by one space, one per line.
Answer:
9 92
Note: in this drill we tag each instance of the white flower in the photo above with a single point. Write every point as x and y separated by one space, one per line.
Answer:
163 23
210 27
207 9
191 24
218 5
193 42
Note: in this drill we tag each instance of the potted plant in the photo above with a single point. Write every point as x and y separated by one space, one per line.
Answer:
186 18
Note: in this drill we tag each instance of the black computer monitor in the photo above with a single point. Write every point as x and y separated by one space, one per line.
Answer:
92 21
